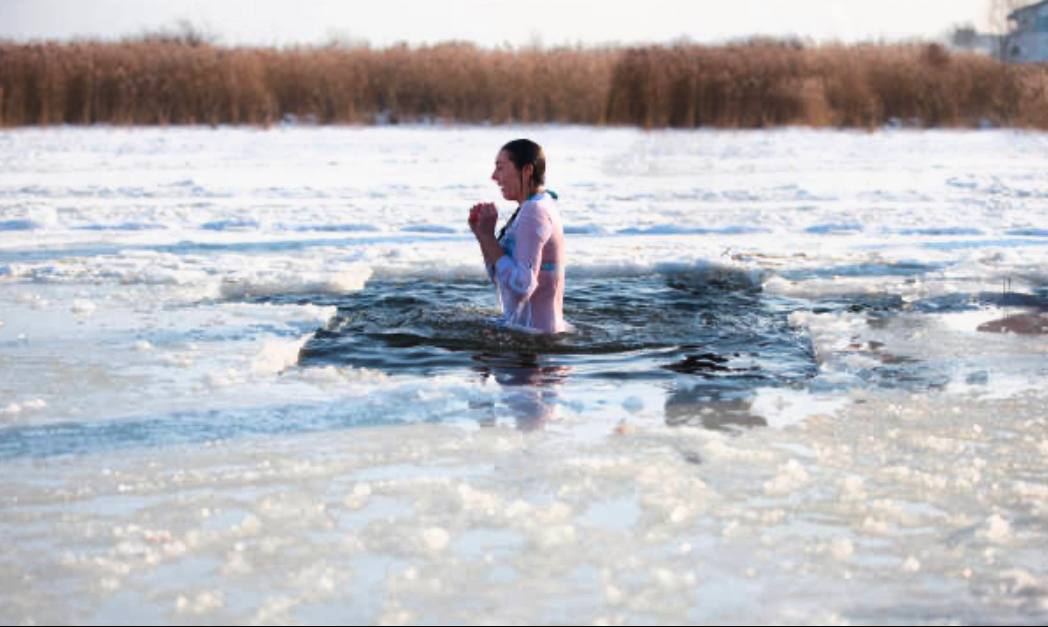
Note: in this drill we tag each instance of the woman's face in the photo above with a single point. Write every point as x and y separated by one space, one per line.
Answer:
508 177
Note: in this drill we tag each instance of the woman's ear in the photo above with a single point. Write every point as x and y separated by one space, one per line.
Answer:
527 171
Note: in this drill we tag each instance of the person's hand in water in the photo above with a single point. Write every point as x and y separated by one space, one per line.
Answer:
482 219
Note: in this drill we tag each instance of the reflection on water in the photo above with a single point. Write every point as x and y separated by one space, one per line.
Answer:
1026 323
531 388
696 408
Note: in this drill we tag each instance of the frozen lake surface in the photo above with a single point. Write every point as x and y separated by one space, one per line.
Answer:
251 376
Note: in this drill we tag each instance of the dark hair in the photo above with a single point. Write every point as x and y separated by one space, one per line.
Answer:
524 152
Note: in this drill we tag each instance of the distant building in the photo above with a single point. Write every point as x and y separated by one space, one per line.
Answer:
968 39
1027 39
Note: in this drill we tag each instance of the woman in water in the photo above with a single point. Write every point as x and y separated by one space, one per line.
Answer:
526 259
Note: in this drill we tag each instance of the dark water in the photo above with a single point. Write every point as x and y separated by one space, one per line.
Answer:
652 327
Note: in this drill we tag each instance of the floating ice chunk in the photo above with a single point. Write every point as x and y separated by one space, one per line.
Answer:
36 403
324 374
276 610
223 378
550 536
555 512
720 449
996 529
435 539
939 445
12 409
791 476
33 300
143 345
278 355
842 548
236 564
518 509
1023 582
178 360
852 489
249 525
350 280
82 306
358 497
327 375
666 578
268 282
874 526
678 514
478 500
202 603
911 565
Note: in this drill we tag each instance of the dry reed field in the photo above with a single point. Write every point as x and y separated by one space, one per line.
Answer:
747 85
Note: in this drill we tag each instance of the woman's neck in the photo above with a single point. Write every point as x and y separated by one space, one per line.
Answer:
533 192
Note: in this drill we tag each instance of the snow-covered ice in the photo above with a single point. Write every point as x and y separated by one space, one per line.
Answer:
170 456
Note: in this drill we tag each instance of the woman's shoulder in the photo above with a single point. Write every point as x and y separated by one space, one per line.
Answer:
543 205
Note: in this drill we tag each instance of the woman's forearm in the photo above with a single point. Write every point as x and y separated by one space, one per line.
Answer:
490 248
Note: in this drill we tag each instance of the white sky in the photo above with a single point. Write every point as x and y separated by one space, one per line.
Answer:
491 22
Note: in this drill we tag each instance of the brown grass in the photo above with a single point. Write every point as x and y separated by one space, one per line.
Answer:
767 84
752 85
